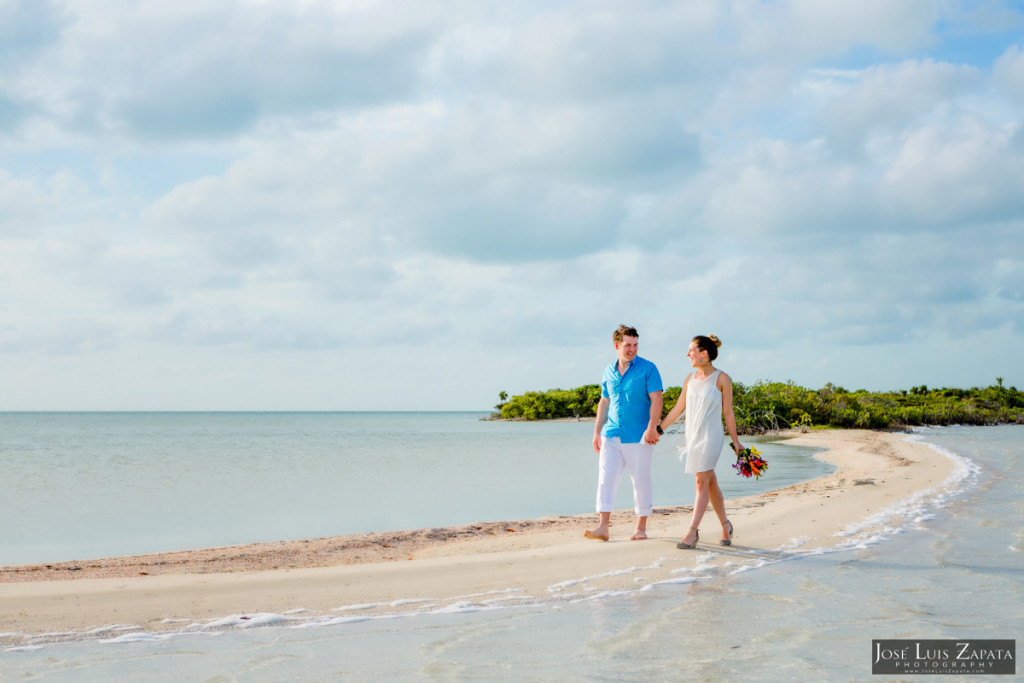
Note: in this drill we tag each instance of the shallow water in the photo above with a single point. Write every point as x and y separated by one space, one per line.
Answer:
77 486
946 564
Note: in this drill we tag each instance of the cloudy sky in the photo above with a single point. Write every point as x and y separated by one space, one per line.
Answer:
350 204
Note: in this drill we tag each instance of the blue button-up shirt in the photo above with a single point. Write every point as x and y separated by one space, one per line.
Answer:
629 405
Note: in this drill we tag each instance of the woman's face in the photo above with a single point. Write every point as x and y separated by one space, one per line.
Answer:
696 356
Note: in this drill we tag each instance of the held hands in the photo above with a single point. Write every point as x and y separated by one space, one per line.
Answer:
650 436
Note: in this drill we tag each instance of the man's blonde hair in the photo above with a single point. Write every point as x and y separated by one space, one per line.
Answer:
624 331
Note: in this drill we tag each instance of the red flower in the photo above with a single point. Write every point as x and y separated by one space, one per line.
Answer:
750 463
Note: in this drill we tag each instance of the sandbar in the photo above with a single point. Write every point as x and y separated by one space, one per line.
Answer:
434 569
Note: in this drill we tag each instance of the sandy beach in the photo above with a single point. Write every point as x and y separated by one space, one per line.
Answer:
523 560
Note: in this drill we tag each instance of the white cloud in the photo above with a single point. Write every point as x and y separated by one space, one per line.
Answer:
168 72
26 27
25 203
886 99
1008 72
951 174
801 31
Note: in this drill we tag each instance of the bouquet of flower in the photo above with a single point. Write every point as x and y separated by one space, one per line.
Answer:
749 462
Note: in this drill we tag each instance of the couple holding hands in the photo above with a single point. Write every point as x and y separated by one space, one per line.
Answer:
629 423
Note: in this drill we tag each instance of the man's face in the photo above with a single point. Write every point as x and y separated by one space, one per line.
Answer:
627 349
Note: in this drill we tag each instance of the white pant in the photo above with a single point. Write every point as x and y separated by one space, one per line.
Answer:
615 457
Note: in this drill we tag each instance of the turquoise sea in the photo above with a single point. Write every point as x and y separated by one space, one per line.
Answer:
78 486
947 565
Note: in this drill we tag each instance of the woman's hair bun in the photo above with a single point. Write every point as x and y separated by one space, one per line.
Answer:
715 340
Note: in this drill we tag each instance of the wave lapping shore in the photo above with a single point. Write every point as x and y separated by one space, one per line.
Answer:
880 476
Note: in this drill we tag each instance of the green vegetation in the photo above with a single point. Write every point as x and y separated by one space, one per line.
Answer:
546 405
767 406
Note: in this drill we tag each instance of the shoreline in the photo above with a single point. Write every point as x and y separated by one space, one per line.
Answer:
524 561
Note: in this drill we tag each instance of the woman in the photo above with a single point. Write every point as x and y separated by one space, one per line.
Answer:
706 397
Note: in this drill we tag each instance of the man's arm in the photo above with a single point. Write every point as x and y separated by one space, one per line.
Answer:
651 435
602 417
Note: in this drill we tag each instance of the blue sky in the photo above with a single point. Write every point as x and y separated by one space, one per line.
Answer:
271 205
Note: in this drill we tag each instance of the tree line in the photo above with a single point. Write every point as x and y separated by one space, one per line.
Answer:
770 406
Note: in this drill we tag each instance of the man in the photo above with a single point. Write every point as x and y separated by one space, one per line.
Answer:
626 430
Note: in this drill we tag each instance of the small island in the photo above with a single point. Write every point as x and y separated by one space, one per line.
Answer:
770 406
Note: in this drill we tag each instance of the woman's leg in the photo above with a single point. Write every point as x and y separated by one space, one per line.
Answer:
718 503
700 504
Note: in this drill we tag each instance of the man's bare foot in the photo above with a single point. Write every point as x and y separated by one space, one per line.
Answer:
639 535
597 534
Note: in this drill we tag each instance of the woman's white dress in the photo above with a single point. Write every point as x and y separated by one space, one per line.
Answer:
704 434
